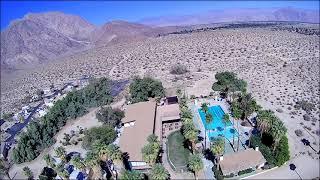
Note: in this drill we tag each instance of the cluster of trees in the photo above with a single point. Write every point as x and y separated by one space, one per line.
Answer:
103 134
190 133
143 88
271 126
150 153
39 135
110 116
228 83
151 150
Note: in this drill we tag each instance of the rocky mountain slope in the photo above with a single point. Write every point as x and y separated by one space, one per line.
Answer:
36 38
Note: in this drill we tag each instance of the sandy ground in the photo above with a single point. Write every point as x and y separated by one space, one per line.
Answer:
87 121
280 67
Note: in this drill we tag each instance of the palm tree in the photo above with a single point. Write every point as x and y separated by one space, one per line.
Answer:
115 154
248 105
151 150
49 160
209 119
236 112
278 130
64 174
190 133
195 164
130 175
101 149
61 152
204 107
92 161
217 148
264 120
78 163
225 120
158 172
187 120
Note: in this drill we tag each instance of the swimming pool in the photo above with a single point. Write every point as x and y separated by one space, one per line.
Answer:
216 127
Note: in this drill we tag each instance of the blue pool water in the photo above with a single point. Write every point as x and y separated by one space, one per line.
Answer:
216 127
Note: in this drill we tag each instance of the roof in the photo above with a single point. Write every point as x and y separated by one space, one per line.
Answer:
166 113
134 137
235 162
169 112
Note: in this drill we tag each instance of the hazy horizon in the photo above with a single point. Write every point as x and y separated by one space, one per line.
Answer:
99 13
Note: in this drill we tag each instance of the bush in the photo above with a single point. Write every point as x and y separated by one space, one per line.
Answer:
217 173
298 132
282 153
246 171
27 172
103 134
305 105
178 69
306 117
110 116
265 150
229 176
142 89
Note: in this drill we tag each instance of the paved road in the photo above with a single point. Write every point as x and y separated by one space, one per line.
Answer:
307 168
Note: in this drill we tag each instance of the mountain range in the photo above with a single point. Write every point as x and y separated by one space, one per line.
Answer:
38 38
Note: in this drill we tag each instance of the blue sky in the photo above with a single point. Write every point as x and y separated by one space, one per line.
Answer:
99 12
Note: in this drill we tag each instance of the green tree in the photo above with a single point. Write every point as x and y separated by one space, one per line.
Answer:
217 148
92 161
130 175
49 160
61 153
190 133
78 163
236 112
104 134
151 150
264 120
195 164
225 121
142 89
282 153
158 172
27 172
278 130
204 107
110 116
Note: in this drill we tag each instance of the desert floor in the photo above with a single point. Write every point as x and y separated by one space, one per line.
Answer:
280 67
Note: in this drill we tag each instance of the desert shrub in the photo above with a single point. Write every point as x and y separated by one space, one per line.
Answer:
110 116
279 110
142 89
306 117
246 171
178 69
298 132
192 96
39 135
103 134
282 153
305 105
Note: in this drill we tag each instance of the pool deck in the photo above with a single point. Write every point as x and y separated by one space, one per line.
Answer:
226 108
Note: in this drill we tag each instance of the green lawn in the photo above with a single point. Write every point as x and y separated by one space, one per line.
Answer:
177 154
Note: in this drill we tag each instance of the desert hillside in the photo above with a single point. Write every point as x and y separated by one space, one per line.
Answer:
281 68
